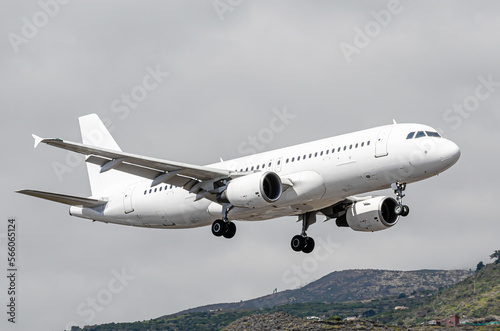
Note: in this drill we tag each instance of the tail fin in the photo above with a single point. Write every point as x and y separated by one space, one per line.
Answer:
95 133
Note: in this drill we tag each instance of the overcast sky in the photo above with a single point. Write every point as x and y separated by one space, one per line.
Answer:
223 70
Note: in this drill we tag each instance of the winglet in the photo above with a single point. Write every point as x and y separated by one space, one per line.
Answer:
394 121
37 139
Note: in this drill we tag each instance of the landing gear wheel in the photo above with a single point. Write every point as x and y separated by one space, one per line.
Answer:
298 243
406 211
398 209
219 227
309 247
230 230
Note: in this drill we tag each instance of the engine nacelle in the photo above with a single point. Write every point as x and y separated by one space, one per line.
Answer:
255 190
373 214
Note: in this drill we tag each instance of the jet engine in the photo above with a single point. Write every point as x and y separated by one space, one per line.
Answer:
255 190
373 214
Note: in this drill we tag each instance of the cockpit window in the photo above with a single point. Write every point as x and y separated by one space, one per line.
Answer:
410 135
420 134
433 134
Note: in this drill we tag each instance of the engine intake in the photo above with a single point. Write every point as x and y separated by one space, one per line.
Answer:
255 190
373 214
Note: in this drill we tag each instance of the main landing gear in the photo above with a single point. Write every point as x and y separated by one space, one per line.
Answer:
400 209
224 227
302 242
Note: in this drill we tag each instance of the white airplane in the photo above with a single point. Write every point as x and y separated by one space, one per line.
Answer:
322 176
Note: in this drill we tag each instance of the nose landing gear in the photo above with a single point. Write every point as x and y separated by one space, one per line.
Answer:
400 209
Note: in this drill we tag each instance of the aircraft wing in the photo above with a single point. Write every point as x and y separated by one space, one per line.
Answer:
180 174
66 199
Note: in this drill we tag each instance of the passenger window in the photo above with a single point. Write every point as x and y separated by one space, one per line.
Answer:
350 147
279 162
316 154
327 151
356 145
246 169
150 190
310 155
368 143
251 168
145 192
410 135
321 153
161 187
287 160
258 166
298 158
333 150
263 165
293 159
338 150
420 134
362 144
345 147
155 189
305 156
270 164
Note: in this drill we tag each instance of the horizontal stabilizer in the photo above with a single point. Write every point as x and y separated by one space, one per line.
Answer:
66 199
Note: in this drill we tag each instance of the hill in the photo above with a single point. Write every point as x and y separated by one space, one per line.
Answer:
324 296
349 285
475 297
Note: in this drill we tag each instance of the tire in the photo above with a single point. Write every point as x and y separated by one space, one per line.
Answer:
406 211
230 230
298 243
309 247
219 228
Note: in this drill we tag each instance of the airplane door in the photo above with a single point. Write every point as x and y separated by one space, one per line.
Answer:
381 143
127 200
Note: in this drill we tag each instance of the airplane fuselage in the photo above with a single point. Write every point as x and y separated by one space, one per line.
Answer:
319 174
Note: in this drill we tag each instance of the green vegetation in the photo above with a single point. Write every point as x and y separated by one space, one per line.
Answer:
193 321
496 255
476 296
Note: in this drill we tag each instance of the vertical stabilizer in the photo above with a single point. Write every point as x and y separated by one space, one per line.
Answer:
95 133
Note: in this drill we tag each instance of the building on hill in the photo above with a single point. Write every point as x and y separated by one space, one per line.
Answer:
453 320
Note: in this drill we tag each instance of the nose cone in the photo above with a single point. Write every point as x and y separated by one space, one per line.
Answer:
450 153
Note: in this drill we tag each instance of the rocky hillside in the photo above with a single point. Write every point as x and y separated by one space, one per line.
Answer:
475 297
349 285
285 322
